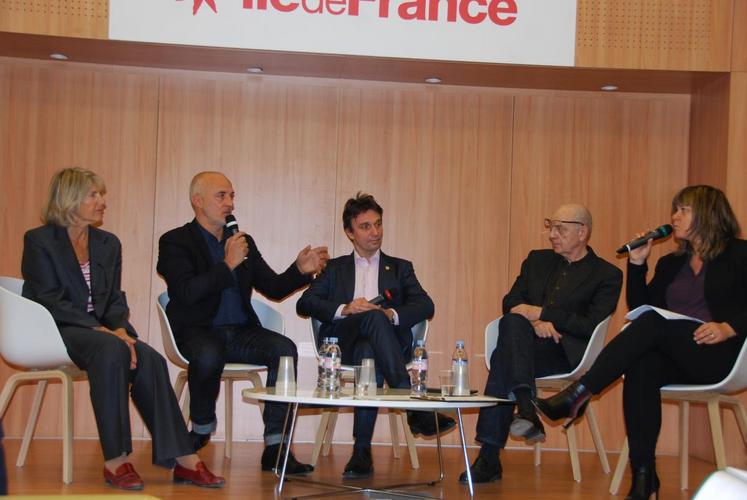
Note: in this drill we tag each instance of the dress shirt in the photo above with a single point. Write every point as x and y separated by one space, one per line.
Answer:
366 281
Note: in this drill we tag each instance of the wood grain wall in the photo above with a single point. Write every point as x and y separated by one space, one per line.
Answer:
465 176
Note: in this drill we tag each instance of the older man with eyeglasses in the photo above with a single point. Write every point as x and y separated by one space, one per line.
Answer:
548 318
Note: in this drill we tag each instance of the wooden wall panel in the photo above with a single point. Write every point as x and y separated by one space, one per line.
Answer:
654 34
439 164
623 157
99 120
275 140
739 37
709 133
73 18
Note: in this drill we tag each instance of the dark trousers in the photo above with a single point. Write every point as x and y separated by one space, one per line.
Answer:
210 350
517 360
106 359
371 335
652 352
3 471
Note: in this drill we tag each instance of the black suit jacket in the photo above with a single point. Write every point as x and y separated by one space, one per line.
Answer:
588 296
53 278
195 283
336 285
725 284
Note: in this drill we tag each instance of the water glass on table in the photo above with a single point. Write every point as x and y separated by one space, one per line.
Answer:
362 377
446 379
286 381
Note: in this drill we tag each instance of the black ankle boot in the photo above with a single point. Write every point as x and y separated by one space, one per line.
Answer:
570 403
645 483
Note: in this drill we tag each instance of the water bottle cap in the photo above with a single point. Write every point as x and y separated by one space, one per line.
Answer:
420 343
460 344
325 340
333 340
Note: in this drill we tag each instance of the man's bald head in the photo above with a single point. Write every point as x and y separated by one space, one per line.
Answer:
201 181
574 212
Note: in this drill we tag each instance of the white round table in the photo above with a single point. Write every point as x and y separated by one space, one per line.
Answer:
384 398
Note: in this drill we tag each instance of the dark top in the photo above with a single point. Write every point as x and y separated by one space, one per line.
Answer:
195 282
686 293
586 294
725 284
52 277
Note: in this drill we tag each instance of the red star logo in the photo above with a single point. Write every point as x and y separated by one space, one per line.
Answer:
198 4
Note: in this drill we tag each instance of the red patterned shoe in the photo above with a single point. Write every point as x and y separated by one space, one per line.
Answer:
124 478
201 476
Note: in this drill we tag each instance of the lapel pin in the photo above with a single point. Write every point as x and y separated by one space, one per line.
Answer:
386 268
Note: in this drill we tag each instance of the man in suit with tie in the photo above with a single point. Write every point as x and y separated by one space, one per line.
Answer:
339 299
548 318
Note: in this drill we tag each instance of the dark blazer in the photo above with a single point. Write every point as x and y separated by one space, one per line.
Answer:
336 285
53 278
195 283
589 296
725 284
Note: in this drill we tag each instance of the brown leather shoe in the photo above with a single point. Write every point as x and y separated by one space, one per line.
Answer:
201 476
124 478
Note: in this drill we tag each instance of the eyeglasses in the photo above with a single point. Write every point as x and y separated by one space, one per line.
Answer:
551 224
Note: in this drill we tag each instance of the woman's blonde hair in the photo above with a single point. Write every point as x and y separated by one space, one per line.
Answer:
713 221
67 190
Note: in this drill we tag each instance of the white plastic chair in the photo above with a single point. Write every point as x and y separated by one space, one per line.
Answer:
326 430
232 372
713 395
30 341
559 382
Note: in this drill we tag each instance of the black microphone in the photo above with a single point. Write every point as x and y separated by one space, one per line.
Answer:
659 232
380 299
231 227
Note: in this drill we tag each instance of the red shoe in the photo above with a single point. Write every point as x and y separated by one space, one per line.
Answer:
124 478
201 476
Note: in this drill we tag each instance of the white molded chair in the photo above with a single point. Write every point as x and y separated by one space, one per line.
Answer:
326 430
559 382
232 372
713 396
30 341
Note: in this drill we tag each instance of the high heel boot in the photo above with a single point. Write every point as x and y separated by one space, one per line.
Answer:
645 483
569 403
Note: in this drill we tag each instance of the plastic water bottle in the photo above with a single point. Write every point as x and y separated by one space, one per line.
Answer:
332 367
460 367
320 379
419 370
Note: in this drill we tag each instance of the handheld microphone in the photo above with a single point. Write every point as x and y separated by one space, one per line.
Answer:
380 299
658 233
232 226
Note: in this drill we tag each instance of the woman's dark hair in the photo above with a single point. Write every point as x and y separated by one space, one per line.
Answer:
713 221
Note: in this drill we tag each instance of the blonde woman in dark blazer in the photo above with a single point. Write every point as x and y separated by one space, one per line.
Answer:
73 269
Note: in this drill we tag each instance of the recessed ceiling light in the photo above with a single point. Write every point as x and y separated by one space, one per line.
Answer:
433 79
610 88
58 56
255 69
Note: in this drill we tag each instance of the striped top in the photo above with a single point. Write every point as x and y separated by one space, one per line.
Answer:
85 268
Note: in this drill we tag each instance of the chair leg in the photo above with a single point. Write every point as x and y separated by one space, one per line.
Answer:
41 388
714 415
330 433
179 385
256 381
739 414
596 436
67 428
537 454
622 461
410 440
573 450
321 432
8 390
684 443
228 398
394 433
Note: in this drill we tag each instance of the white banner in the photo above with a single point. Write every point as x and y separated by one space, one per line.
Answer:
536 32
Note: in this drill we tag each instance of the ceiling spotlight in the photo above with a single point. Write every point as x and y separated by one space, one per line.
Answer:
255 69
610 88
58 56
433 79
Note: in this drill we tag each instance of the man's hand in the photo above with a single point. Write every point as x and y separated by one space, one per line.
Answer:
359 305
312 260
121 333
545 329
236 250
532 313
